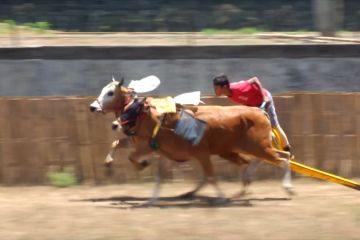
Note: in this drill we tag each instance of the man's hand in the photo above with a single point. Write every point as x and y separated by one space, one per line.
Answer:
266 98
264 105
254 80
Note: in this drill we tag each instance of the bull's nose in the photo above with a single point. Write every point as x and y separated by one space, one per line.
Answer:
114 126
92 109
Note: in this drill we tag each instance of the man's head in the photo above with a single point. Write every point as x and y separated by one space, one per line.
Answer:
221 85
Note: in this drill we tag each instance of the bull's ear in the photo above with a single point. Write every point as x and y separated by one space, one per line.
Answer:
146 105
146 108
121 82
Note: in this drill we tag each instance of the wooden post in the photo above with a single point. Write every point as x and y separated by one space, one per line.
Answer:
328 16
83 141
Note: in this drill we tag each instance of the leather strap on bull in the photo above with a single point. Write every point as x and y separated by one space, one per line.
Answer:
162 106
153 144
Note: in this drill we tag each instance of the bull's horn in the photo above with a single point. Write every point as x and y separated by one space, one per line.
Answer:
121 81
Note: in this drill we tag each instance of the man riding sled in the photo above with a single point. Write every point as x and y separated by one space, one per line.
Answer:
251 93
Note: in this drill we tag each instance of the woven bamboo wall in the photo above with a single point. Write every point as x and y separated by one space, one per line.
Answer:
49 133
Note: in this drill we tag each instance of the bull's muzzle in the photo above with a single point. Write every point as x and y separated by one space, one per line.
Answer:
92 109
95 107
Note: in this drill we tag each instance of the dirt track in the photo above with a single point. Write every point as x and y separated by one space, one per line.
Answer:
320 211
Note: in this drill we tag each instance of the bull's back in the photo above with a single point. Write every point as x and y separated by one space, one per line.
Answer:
234 127
231 116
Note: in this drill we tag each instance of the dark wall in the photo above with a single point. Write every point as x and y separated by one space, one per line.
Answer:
171 15
45 71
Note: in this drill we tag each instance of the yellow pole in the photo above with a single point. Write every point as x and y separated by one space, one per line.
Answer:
313 172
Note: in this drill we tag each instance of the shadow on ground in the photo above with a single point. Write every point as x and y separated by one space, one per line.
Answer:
125 202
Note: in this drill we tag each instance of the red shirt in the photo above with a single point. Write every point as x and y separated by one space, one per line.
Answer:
246 93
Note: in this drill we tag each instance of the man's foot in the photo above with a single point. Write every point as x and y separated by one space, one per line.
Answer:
288 149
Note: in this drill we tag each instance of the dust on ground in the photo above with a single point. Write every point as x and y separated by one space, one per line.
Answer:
320 210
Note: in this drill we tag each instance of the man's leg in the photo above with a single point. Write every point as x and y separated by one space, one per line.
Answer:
284 140
275 124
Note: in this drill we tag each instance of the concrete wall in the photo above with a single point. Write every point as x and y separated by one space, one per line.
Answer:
85 70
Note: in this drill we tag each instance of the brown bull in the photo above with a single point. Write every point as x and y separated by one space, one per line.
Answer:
233 133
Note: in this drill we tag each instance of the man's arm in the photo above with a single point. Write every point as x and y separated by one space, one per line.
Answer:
257 82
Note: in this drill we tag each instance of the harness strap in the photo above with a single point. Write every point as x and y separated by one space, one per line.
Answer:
101 108
153 143
156 129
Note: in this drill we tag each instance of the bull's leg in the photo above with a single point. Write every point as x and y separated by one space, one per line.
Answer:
192 193
123 142
247 177
286 180
250 167
249 171
235 158
136 157
286 183
209 177
156 190
110 156
281 159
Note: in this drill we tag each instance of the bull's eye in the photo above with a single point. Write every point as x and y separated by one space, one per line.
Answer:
110 94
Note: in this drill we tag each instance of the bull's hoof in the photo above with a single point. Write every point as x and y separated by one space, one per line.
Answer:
241 194
144 164
290 191
187 195
108 169
108 164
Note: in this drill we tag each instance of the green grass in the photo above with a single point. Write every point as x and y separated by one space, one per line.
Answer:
65 178
7 25
37 27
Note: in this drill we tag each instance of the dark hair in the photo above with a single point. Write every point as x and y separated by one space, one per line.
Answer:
221 80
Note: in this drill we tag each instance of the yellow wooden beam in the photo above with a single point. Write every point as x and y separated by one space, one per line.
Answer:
313 172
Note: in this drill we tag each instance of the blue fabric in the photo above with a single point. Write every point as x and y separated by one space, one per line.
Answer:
129 117
190 128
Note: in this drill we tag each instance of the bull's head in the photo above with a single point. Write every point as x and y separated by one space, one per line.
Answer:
113 98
